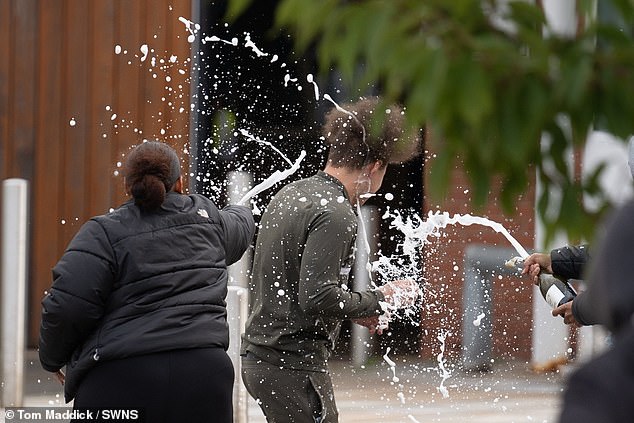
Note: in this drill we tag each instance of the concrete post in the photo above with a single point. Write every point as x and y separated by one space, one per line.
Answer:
482 262
13 294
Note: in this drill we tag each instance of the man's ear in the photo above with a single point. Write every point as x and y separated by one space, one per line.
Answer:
178 185
375 167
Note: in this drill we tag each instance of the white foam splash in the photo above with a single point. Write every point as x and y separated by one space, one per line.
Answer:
287 79
276 177
246 134
441 220
442 369
417 232
478 319
250 44
191 27
311 80
392 364
213 38
144 50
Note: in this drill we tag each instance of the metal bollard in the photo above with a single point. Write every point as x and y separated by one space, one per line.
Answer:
237 312
237 303
360 337
238 184
13 293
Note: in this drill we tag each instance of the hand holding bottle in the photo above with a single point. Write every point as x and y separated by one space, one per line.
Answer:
535 264
565 311
556 292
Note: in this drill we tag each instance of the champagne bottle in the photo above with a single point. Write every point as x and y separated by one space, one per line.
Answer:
555 291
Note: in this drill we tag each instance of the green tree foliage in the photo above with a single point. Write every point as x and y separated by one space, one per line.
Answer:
489 82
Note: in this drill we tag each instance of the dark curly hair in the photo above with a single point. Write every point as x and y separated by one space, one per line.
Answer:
363 133
151 169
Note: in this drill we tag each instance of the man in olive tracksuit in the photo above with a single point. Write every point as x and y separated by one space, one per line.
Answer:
299 292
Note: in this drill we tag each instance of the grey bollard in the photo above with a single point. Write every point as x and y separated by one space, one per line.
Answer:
237 302
481 262
13 290
237 312
360 336
238 184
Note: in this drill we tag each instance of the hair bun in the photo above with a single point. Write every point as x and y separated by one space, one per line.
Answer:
151 170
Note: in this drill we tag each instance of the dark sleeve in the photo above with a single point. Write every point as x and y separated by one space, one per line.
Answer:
239 228
82 282
584 310
327 246
569 262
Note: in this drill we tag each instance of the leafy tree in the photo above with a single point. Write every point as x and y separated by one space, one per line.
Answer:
489 79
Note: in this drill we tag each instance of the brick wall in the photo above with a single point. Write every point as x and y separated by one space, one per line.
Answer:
444 273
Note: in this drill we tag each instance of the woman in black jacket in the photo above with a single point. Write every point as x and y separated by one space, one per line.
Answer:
136 311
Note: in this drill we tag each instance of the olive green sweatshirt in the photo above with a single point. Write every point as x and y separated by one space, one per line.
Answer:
298 294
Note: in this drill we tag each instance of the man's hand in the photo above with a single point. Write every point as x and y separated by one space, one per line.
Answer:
565 311
535 264
372 323
401 293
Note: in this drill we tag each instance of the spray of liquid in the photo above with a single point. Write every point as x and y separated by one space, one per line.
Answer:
405 263
274 178
442 369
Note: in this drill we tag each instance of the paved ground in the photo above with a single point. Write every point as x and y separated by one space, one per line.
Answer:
511 392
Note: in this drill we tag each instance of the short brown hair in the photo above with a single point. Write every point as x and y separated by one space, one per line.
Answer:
355 142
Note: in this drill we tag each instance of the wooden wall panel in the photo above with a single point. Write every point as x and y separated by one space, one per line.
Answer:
46 242
75 139
100 174
22 117
59 64
176 116
6 31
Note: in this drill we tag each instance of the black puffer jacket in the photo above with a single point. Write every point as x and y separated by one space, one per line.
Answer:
133 283
569 262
